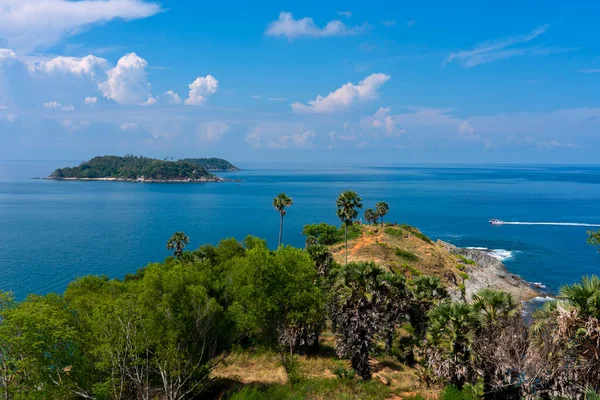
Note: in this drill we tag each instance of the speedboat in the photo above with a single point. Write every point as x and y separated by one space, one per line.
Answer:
495 221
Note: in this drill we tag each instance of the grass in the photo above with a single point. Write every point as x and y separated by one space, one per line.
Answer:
411 269
407 255
466 260
463 275
316 388
394 232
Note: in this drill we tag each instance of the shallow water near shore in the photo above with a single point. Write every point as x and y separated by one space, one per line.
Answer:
54 231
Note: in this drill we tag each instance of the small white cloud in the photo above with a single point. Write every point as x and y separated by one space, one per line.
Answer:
12 117
126 126
466 132
90 66
269 135
172 97
382 122
292 28
212 132
70 124
553 144
7 55
57 105
346 14
127 83
389 22
91 100
345 96
255 96
150 102
497 49
200 88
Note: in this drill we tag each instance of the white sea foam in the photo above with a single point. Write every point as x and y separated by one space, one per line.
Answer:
543 299
551 223
498 254
538 285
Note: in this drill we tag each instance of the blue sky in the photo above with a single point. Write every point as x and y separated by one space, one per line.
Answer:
310 81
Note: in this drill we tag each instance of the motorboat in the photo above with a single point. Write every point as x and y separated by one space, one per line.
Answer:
495 221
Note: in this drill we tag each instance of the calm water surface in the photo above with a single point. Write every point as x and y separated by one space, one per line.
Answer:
52 232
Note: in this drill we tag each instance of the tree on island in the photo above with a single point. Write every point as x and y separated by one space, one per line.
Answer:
381 209
178 242
371 216
280 203
347 204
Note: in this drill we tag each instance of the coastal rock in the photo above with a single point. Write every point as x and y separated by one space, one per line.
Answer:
489 272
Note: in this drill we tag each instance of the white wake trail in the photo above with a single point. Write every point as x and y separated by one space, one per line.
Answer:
551 223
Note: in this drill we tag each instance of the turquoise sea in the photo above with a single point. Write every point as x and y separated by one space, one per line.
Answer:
52 232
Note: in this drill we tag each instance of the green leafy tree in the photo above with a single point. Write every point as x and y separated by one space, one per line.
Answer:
381 209
347 205
280 203
494 305
594 238
177 242
370 216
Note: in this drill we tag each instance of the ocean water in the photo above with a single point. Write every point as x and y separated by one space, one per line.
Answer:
51 232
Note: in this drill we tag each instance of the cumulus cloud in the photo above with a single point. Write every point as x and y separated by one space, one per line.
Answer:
292 28
90 66
7 55
345 96
381 124
91 100
499 49
200 88
268 135
57 105
31 24
127 83
172 97
212 132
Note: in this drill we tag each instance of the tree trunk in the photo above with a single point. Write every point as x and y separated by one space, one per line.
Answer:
389 341
280 229
382 221
346 238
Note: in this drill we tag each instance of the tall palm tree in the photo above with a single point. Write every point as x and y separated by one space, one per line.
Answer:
280 203
370 215
178 242
382 208
347 204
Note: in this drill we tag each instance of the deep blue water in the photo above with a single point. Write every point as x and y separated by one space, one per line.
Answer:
52 232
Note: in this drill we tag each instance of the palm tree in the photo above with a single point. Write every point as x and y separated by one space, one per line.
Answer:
397 303
584 296
178 242
494 304
347 204
382 208
280 203
370 215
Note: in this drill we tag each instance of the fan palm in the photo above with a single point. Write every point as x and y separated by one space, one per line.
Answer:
280 203
585 296
178 242
494 304
381 209
347 204
370 215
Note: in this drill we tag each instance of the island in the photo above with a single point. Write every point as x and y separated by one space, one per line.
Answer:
143 169
213 164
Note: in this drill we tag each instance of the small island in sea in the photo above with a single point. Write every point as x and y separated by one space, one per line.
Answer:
143 169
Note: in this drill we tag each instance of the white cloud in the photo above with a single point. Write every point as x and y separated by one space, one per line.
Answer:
151 101
30 24
7 55
12 117
346 14
465 130
389 22
127 83
345 96
381 122
255 96
91 100
200 88
70 124
57 105
554 144
172 97
493 50
212 132
125 126
292 28
269 135
86 66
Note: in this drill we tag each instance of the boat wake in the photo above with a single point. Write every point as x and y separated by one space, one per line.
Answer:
551 223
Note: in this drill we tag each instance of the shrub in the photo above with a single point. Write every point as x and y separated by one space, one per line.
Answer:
407 255
394 232
463 275
341 372
466 260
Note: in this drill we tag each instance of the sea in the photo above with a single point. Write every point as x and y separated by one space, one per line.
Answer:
52 232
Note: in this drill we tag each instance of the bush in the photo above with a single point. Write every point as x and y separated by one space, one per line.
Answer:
394 232
452 393
416 233
466 260
326 234
341 372
407 255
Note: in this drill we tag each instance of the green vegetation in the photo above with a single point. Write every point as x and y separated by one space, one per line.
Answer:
371 216
416 232
394 231
134 168
213 164
347 206
407 255
328 235
381 209
466 260
173 329
280 203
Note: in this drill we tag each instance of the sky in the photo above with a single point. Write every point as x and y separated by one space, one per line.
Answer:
336 81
